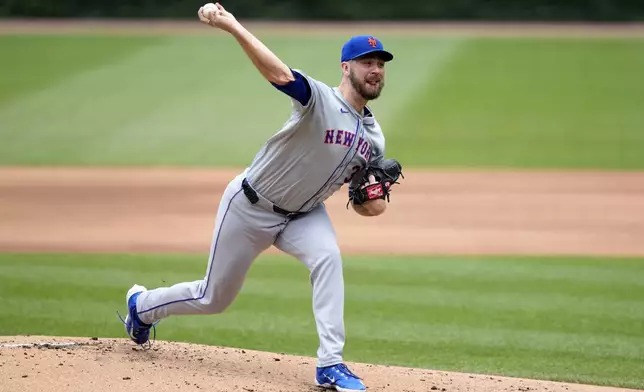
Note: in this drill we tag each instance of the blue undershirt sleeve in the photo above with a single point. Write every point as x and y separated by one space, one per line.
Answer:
299 89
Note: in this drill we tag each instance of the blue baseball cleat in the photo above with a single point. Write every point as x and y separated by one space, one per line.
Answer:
137 330
338 377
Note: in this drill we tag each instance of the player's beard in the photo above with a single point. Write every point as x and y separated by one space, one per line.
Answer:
366 91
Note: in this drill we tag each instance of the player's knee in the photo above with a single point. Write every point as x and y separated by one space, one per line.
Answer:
216 304
215 307
328 257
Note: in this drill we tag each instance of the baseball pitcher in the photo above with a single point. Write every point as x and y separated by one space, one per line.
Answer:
330 139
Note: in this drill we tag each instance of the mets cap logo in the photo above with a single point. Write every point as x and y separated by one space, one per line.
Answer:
372 41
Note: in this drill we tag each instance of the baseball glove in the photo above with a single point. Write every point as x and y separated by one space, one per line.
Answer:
386 172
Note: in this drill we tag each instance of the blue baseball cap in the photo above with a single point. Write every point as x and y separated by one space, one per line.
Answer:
364 44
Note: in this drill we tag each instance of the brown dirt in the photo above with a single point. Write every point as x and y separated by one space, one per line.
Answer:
115 365
431 212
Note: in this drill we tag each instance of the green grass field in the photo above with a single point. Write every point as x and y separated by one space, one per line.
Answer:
108 100
577 320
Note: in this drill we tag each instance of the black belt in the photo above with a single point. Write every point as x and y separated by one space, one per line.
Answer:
251 195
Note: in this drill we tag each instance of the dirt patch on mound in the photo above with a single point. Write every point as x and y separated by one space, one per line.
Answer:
431 212
115 365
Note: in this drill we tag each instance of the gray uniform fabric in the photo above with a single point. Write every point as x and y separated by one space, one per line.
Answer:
318 148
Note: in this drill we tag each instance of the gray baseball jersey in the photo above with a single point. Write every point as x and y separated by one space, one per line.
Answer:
319 149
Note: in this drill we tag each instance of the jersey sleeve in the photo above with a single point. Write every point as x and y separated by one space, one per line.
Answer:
303 91
299 89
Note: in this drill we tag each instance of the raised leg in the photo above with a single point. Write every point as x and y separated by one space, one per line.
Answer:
242 231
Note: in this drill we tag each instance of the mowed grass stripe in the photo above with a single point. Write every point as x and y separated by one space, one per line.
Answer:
256 314
440 301
582 269
163 105
405 78
572 103
448 102
462 318
179 101
45 281
32 63
577 278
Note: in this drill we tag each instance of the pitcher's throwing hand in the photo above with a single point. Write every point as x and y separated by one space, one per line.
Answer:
216 16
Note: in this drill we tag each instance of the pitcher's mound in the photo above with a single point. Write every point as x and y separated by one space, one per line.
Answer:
31 363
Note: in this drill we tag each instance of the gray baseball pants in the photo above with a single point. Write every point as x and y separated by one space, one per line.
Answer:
242 231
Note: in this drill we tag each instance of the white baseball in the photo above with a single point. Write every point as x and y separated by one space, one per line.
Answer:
208 10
